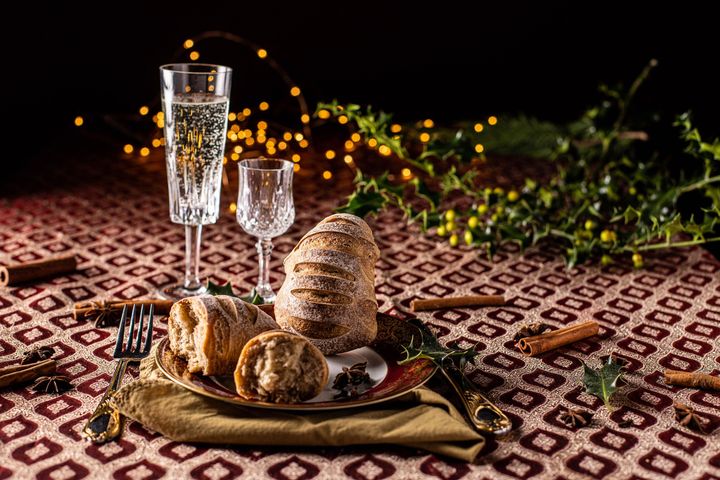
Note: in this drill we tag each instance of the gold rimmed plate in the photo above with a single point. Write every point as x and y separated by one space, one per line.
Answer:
390 380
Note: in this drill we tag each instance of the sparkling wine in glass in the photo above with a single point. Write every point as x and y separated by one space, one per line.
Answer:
195 99
265 209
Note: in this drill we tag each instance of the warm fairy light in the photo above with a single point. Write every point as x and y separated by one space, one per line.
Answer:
249 141
295 158
287 136
225 160
303 143
479 148
262 53
144 151
233 207
305 118
355 137
324 114
128 148
262 125
235 157
296 167
295 91
232 116
260 138
246 112
237 149
299 136
233 136
349 145
79 121
282 145
330 154
160 123
343 119
492 120
144 110
348 159
247 133
235 128
263 106
424 137
188 44
428 123
161 116
406 173
271 142
188 88
395 128
327 174
372 143
478 127
194 55
156 142
384 150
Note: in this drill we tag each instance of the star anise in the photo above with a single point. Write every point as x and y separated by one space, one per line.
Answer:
576 418
351 380
36 355
52 384
687 417
530 330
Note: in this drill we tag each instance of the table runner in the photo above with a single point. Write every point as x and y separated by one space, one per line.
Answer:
114 215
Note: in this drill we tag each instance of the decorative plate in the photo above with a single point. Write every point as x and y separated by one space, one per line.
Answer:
390 379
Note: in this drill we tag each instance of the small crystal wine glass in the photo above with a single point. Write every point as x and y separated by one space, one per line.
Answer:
265 209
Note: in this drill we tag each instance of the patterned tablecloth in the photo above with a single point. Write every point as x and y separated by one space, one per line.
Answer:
115 217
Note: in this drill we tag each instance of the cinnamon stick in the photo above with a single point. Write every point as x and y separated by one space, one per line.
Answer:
38 270
17 374
419 305
692 380
545 342
86 310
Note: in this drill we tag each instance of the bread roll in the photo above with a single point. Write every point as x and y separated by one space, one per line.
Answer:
210 331
329 290
280 367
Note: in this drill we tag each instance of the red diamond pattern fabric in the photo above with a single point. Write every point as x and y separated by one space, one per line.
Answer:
666 316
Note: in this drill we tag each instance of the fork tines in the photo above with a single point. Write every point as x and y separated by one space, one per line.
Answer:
130 347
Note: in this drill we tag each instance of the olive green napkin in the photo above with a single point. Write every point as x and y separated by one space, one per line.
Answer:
420 419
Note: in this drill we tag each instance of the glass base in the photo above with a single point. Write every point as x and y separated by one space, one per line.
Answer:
178 292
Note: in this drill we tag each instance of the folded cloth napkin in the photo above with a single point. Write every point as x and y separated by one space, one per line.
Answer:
419 419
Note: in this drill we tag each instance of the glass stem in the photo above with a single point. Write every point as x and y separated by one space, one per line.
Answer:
192 257
264 249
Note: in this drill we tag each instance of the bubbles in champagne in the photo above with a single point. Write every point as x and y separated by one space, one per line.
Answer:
195 125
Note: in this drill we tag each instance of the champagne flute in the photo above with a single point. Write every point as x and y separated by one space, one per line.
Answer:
265 209
195 99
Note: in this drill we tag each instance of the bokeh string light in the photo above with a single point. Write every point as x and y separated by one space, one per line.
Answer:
270 138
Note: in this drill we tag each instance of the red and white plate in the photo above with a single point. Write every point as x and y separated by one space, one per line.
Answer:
390 379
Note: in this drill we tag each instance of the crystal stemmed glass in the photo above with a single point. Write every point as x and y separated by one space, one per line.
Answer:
195 100
265 209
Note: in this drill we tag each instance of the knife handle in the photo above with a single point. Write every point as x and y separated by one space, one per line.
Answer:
484 415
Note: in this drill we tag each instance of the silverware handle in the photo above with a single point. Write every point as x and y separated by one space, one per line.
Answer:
484 415
105 423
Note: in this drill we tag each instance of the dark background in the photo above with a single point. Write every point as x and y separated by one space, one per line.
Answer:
446 60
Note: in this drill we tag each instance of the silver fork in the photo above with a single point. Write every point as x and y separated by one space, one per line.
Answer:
106 423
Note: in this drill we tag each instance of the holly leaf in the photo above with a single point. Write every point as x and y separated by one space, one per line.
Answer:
429 347
362 203
215 289
603 382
